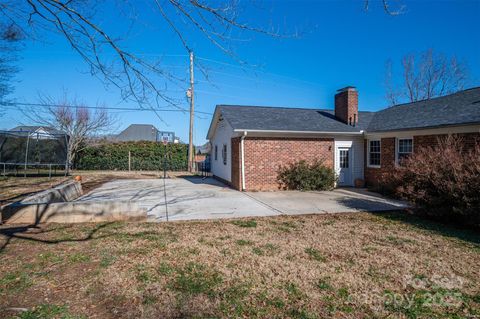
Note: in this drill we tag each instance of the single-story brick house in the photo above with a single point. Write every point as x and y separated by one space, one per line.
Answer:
250 143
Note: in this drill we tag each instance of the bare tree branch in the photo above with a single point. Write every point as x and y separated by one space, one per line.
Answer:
69 115
391 94
9 46
426 76
139 79
387 8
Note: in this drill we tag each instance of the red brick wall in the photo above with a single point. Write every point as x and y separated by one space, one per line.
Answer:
469 140
264 157
387 160
388 152
346 106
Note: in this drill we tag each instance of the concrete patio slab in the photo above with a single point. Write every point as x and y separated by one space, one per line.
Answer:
197 198
336 201
187 198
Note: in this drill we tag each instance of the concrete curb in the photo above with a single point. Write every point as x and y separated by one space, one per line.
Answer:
61 193
73 212
56 205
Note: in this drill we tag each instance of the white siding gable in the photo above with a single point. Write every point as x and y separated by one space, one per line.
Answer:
222 136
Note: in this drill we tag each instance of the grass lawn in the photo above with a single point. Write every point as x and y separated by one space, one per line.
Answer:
341 266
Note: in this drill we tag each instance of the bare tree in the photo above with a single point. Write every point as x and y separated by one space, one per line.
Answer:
10 37
425 76
139 79
74 118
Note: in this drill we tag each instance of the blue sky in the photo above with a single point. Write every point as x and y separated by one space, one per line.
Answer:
340 45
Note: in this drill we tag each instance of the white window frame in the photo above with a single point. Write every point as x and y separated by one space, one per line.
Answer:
216 152
368 153
397 147
225 154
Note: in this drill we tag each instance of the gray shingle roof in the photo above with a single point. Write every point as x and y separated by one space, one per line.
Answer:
287 119
139 132
455 109
34 128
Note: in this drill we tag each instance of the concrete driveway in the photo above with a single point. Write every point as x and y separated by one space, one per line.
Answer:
196 198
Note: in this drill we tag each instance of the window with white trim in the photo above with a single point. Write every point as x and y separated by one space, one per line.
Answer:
224 154
374 154
216 152
404 149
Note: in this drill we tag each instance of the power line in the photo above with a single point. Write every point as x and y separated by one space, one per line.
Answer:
259 71
223 63
226 85
103 108
219 94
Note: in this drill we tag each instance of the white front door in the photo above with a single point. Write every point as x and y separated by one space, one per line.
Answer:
344 166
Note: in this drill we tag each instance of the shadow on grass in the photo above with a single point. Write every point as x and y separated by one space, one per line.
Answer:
107 230
390 211
26 233
371 203
452 231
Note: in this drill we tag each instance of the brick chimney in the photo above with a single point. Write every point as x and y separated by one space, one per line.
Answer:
346 105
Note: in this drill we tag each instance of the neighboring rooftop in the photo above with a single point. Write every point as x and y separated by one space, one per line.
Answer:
145 132
35 128
138 132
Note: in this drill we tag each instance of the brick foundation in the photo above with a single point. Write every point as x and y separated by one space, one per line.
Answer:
264 157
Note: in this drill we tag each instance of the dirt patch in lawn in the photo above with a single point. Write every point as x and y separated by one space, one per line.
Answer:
342 266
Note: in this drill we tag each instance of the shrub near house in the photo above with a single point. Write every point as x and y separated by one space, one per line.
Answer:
305 177
443 180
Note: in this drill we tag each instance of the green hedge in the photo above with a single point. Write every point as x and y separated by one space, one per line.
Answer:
144 156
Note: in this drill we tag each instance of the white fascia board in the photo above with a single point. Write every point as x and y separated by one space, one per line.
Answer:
425 131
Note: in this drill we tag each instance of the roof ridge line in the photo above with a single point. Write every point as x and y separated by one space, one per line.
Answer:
271 107
283 107
430 99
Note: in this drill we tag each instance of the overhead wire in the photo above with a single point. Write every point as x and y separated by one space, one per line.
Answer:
103 107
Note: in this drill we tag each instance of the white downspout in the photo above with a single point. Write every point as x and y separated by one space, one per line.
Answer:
242 152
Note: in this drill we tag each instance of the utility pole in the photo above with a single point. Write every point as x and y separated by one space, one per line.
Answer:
190 135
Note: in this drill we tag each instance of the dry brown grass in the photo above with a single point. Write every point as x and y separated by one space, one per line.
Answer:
339 266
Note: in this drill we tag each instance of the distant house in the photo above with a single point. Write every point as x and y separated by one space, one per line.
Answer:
203 149
146 132
251 143
40 132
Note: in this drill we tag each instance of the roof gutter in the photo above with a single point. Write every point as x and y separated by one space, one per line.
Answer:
298 132
425 127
